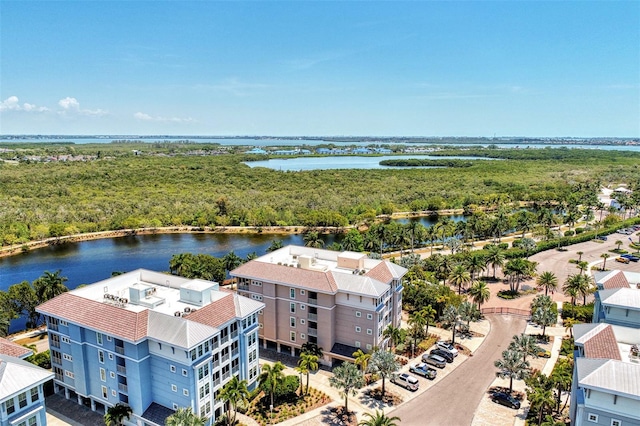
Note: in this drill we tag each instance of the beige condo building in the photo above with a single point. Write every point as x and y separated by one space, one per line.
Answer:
341 301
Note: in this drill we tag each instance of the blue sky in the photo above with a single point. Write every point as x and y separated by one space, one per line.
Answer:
422 68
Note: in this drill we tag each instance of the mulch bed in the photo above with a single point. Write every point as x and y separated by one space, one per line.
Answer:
341 417
520 396
390 398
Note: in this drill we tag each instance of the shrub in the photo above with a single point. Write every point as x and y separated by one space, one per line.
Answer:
569 233
579 231
503 246
508 294
567 346
582 313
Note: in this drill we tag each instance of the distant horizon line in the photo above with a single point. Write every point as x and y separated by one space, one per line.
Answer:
301 137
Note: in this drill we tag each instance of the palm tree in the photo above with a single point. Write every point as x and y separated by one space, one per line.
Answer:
348 380
541 398
512 366
116 414
618 243
361 359
430 314
185 417
49 285
579 253
495 257
517 270
312 239
525 344
312 348
582 266
561 377
384 364
394 334
309 362
459 277
548 281
231 261
275 245
451 317
475 265
417 321
271 376
577 284
568 325
232 393
379 419
605 256
480 292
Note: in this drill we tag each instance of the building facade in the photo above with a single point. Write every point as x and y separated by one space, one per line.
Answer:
340 301
21 392
606 377
153 341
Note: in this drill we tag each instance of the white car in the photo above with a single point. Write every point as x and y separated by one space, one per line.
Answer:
441 344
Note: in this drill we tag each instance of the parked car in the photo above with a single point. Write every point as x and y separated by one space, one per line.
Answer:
622 259
406 381
505 399
602 238
544 354
443 353
434 360
630 257
447 346
423 370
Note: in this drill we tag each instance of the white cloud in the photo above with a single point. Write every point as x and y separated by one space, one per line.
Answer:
146 117
72 106
12 103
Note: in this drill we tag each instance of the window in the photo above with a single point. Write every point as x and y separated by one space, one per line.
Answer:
369 331
33 421
65 339
111 357
369 316
292 308
301 292
292 293
293 336
302 321
99 338
113 392
357 344
302 336
185 373
256 297
63 322
261 325
592 417
101 357
22 400
175 406
174 388
108 338
103 375
256 283
616 422
303 307
185 392
67 357
105 395
34 394
358 314
358 329
261 311
292 321
172 368
368 347
112 374
11 408
69 374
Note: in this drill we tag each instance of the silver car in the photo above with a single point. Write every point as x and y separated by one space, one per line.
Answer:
434 360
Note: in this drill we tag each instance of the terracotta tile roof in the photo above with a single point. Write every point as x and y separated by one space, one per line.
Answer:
602 344
619 280
7 347
298 277
381 273
216 313
102 317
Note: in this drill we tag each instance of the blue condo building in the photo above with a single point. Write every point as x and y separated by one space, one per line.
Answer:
153 341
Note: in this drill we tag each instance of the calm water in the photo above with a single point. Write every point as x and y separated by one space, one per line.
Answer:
344 162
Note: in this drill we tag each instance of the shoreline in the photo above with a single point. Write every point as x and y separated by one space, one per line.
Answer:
184 229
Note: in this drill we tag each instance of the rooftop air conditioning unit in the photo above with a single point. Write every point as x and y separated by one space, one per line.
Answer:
187 310
177 314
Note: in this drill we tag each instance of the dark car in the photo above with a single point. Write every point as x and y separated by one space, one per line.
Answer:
434 360
444 354
602 238
423 370
630 257
505 399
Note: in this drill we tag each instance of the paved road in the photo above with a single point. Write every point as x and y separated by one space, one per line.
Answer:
454 401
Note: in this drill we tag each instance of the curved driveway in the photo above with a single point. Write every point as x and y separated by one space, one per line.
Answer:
453 401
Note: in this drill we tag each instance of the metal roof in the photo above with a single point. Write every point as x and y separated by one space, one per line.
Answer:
627 298
17 375
357 284
178 331
611 376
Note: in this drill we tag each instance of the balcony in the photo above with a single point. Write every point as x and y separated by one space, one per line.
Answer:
120 350
312 300
225 358
122 387
312 317
216 382
235 352
55 344
243 287
226 375
216 365
53 326
312 332
224 339
234 334
122 369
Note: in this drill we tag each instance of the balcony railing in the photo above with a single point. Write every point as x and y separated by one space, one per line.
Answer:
226 375
224 339
235 352
53 326
243 287
312 317
122 387
312 332
122 369
216 364
55 344
216 382
225 358
234 334
120 350
59 377
313 300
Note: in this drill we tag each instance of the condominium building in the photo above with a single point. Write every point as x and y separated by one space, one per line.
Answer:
606 376
340 301
153 341
21 389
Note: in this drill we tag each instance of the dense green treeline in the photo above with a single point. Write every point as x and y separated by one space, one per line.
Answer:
115 192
